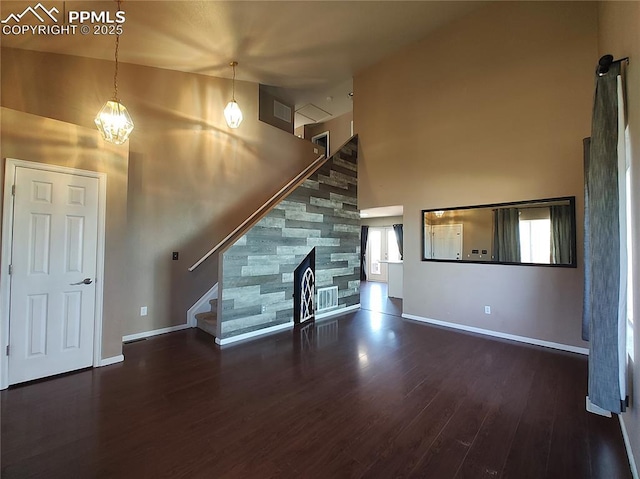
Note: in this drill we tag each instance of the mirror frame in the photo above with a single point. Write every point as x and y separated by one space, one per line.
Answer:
572 203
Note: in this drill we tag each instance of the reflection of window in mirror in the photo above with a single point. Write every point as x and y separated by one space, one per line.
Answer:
535 235
535 241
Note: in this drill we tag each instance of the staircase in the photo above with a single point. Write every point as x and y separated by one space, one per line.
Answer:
315 210
208 321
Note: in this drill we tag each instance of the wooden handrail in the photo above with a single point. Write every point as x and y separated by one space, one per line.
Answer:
308 171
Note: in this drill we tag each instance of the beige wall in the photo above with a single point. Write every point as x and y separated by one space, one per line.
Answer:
619 35
266 110
33 138
492 108
339 129
190 179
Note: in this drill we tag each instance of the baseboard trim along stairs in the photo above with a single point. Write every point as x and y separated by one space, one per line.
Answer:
208 320
203 305
281 327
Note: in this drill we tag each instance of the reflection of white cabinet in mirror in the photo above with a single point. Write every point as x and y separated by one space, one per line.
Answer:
446 241
426 235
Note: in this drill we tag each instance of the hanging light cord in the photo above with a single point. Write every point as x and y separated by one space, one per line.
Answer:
115 74
233 83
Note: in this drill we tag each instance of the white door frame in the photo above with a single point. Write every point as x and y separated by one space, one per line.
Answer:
5 256
320 135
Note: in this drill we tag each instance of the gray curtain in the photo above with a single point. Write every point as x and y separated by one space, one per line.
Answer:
602 247
364 235
561 239
397 229
506 235
586 298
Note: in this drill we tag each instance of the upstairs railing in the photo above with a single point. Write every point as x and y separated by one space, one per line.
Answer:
264 209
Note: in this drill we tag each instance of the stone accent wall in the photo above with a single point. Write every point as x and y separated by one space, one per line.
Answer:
257 270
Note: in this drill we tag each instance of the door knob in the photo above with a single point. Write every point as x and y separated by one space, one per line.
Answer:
84 281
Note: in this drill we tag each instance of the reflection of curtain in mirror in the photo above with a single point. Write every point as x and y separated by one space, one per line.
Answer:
364 235
605 245
506 235
561 241
397 229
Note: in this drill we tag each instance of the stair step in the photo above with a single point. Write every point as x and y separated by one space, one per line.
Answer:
208 325
207 315
214 303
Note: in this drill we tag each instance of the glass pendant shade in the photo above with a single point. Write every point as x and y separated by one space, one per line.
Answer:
233 114
114 122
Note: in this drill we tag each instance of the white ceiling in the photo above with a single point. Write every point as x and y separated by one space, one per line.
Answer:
309 49
382 211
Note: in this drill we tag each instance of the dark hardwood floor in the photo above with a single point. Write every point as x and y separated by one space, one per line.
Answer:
368 395
373 297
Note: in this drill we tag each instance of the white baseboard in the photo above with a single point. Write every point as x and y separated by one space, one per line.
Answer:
336 312
281 327
201 306
497 334
111 360
592 408
627 445
155 332
254 334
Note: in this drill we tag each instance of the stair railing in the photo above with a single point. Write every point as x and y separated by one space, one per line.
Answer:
264 209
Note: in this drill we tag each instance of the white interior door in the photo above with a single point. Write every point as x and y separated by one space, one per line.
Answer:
446 241
53 273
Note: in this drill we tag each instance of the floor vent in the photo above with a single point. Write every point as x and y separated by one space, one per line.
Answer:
327 298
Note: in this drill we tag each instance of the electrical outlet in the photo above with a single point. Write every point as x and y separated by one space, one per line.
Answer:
143 311
487 310
175 256
264 308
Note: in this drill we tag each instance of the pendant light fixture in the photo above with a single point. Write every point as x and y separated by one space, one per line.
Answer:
232 112
113 120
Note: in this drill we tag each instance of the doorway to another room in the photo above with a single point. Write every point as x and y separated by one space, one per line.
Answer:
382 249
382 288
322 140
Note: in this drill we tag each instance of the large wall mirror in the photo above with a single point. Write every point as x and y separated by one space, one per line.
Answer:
537 232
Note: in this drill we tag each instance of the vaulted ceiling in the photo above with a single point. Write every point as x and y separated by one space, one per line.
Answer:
310 49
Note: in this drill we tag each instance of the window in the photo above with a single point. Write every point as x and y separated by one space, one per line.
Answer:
629 240
392 245
535 241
